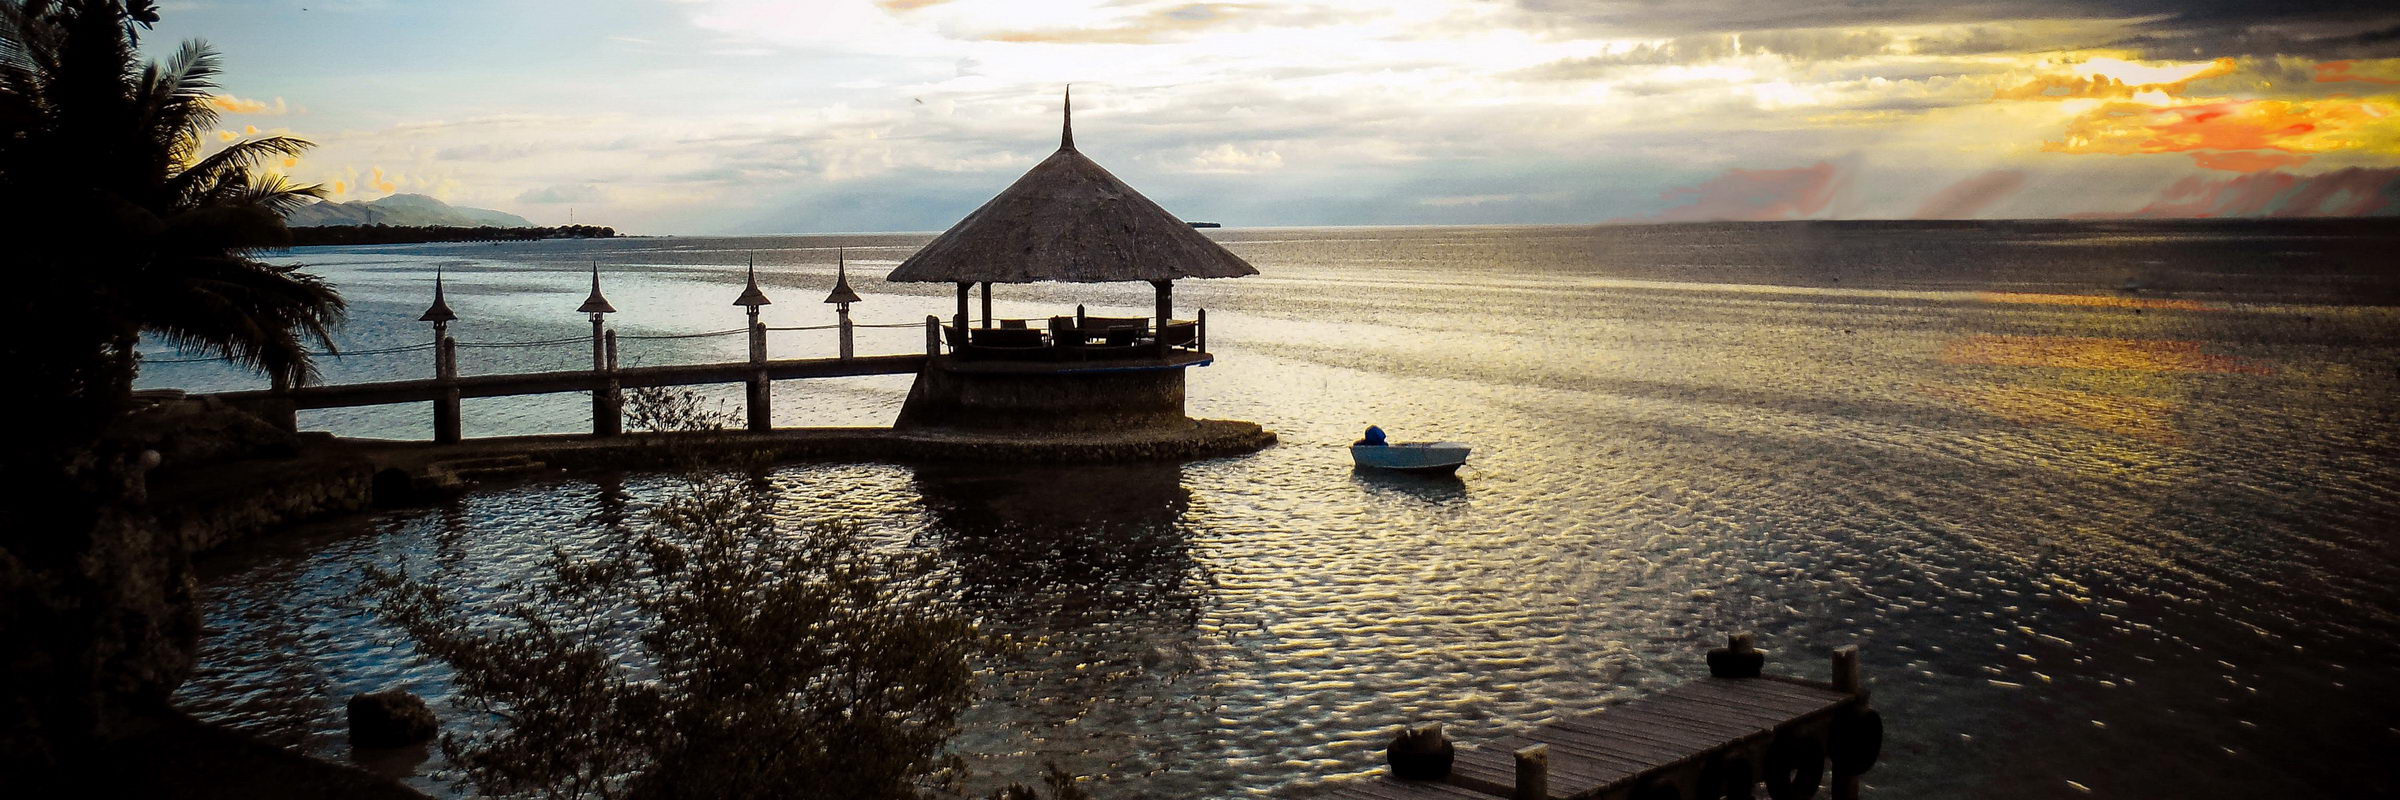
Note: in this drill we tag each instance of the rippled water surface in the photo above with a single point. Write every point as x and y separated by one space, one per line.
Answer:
2092 541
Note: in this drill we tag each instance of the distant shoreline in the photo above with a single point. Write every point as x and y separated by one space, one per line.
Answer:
418 234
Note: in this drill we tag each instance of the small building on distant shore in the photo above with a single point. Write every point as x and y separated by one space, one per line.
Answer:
1066 220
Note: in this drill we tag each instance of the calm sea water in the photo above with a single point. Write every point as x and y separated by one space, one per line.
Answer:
2093 542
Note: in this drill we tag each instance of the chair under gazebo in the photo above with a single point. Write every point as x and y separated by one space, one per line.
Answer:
1066 220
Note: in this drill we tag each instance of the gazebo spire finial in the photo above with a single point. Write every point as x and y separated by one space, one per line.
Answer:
596 304
1066 127
841 280
440 310
751 296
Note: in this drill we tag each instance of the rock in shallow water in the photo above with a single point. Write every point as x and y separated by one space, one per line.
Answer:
390 719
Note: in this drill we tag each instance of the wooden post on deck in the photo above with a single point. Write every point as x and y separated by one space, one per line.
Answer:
1533 773
445 410
1847 678
608 418
961 319
987 304
1079 315
933 336
1200 330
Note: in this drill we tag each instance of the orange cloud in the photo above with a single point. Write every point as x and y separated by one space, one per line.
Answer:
2059 86
229 104
2381 70
2245 161
2286 125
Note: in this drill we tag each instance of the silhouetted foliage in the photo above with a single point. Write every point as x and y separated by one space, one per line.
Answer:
767 660
658 408
123 224
409 234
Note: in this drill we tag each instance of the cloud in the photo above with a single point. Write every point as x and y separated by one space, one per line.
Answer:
1164 24
1754 195
907 5
2292 126
2351 192
2384 71
564 193
229 104
2108 78
2245 161
1967 198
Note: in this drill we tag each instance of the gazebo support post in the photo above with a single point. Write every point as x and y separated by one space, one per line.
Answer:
963 288
1166 302
987 304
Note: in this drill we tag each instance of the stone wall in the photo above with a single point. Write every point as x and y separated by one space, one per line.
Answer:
1020 397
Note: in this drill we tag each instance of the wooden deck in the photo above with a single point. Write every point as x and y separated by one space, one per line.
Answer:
1686 743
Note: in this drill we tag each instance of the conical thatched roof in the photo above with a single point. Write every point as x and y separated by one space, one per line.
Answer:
1069 220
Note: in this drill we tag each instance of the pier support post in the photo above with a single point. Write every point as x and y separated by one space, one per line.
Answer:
1533 773
759 397
762 414
1845 670
608 401
445 409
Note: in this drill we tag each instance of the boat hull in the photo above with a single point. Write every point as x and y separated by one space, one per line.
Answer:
1441 458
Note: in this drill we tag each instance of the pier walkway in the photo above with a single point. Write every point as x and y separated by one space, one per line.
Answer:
1715 737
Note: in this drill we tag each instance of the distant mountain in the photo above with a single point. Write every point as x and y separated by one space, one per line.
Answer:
400 209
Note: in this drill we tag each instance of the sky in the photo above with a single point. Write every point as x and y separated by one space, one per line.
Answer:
757 116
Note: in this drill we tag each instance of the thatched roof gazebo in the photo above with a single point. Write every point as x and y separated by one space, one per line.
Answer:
1069 220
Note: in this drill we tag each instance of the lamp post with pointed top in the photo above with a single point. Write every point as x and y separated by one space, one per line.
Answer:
607 419
762 415
445 364
842 297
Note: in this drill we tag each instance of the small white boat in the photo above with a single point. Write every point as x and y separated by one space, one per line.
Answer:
1440 458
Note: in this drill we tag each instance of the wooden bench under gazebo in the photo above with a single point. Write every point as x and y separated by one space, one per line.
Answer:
1066 220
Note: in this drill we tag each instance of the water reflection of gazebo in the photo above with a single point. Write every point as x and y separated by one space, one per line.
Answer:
1068 220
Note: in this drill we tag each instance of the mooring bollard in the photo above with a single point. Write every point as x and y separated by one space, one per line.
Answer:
1420 754
1737 659
1533 773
